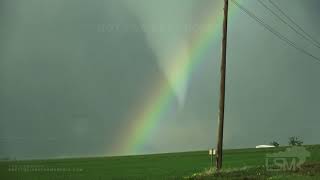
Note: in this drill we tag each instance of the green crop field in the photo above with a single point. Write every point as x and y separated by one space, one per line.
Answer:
240 163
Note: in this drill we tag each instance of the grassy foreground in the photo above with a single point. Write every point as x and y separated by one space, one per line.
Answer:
241 164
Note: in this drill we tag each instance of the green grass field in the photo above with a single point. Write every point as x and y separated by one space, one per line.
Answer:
241 163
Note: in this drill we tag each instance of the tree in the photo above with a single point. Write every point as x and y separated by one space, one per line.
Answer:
275 144
295 141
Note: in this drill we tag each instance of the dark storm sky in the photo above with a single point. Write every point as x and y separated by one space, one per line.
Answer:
67 88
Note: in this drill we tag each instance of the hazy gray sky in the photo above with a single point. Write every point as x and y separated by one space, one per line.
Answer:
68 87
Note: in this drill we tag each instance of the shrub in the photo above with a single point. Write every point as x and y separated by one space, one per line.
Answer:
275 144
295 141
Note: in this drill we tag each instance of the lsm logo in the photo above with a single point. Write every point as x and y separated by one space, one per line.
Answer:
289 160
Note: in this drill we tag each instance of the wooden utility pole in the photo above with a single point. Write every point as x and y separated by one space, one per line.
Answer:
222 86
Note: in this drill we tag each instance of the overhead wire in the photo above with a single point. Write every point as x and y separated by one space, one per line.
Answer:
274 32
289 25
293 22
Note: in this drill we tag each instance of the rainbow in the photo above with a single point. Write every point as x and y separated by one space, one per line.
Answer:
158 103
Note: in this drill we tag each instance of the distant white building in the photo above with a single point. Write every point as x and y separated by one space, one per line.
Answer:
265 146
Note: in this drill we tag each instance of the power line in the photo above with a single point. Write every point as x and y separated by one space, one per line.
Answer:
273 31
293 22
285 22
